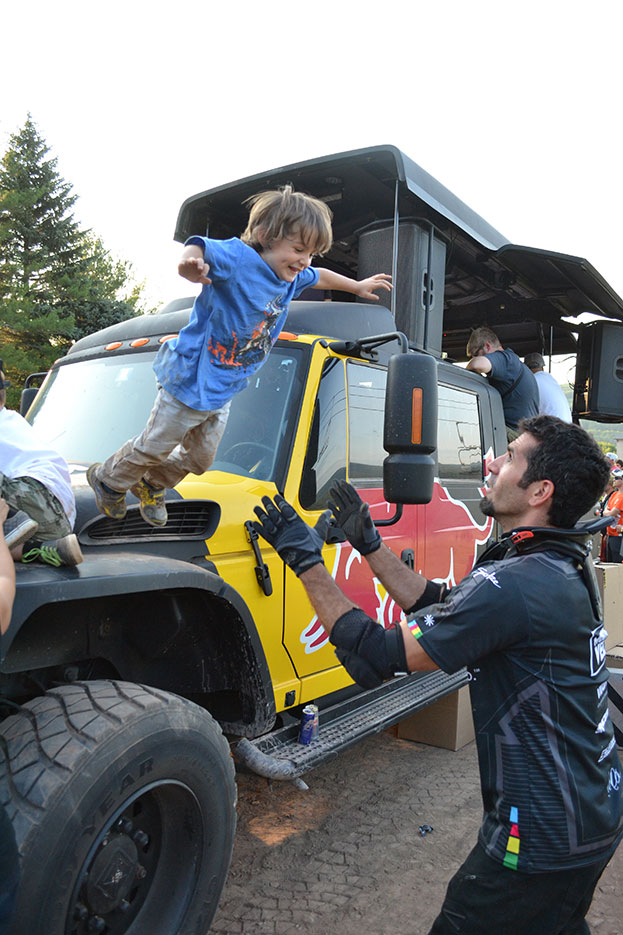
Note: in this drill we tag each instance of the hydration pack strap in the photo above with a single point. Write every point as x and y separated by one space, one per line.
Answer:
573 543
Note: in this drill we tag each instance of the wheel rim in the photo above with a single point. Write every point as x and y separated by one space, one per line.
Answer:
145 860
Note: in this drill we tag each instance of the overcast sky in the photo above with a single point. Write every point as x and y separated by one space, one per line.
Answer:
514 107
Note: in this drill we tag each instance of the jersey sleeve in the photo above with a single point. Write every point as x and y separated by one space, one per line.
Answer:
305 279
484 614
222 255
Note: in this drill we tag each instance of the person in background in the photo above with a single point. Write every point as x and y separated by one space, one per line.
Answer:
9 859
514 382
35 482
614 508
552 400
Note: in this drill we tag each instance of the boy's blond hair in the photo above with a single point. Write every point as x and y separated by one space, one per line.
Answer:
286 213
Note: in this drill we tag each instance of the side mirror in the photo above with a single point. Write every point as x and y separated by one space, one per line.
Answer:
410 434
26 399
29 392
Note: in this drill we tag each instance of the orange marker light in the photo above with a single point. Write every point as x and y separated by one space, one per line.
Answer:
139 342
288 336
113 346
416 416
166 337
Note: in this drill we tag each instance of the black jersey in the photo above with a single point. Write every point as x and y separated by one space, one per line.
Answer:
550 773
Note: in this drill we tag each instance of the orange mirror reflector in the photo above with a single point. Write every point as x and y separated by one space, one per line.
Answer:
416 416
113 345
139 342
166 337
288 336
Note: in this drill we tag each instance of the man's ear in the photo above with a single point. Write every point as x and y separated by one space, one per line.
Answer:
542 492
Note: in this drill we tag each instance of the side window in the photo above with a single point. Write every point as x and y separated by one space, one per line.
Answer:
325 459
366 413
459 446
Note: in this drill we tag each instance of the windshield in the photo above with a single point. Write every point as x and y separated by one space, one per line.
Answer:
89 408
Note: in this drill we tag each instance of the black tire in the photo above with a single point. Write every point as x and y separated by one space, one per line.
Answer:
123 802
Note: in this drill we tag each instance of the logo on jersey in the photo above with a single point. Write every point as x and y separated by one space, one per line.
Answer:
602 724
598 649
606 752
614 780
489 575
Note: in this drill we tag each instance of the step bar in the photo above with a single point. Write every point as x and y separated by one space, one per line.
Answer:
279 755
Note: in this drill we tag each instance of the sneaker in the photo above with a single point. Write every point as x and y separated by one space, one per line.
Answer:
19 528
65 551
151 503
109 502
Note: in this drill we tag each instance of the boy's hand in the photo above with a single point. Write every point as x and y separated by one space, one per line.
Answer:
366 287
195 269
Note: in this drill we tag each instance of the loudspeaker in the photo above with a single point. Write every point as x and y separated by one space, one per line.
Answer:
415 284
598 393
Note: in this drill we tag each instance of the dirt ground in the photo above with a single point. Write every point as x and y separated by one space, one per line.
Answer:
347 856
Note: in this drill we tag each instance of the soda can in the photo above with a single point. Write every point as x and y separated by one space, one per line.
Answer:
309 724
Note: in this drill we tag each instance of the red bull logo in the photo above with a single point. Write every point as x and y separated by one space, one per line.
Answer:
453 537
443 536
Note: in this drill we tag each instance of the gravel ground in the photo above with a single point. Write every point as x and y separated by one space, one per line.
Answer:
346 856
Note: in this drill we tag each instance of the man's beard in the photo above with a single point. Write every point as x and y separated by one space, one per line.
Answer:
487 507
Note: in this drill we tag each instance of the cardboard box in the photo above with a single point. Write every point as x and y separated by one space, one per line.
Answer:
614 658
610 580
447 723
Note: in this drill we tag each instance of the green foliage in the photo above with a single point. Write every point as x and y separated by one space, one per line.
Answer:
57 282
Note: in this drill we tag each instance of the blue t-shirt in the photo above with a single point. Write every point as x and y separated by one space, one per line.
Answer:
521 400
233 325
550 773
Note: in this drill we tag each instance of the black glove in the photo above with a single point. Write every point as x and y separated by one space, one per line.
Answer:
368 651
353 517
296 543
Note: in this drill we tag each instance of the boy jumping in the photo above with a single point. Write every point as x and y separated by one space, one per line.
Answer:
234 323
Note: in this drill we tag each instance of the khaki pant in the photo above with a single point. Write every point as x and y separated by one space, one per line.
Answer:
34 498
176 441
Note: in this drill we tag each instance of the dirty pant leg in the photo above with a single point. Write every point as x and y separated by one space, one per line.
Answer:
194 454
35 499
168 422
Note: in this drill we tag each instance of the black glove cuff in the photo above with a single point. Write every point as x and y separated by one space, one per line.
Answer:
434 593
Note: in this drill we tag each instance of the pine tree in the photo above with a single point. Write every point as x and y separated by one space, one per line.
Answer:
57 282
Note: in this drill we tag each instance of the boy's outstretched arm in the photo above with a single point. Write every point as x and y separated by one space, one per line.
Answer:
192 266
364 288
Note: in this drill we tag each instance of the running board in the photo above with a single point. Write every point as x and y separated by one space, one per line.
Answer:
279 755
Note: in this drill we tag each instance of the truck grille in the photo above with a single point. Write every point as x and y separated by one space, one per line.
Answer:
188 519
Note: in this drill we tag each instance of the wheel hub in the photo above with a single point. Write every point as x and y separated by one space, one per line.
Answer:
112 874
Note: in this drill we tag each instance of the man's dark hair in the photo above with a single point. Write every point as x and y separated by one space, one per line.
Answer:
572 460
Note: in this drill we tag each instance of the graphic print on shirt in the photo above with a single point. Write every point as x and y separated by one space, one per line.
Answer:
256 348
488 575
598 649
511 858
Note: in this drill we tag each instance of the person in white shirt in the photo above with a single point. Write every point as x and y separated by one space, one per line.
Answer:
552 400
34 480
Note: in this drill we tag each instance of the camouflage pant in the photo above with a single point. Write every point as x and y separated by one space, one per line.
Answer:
34 498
